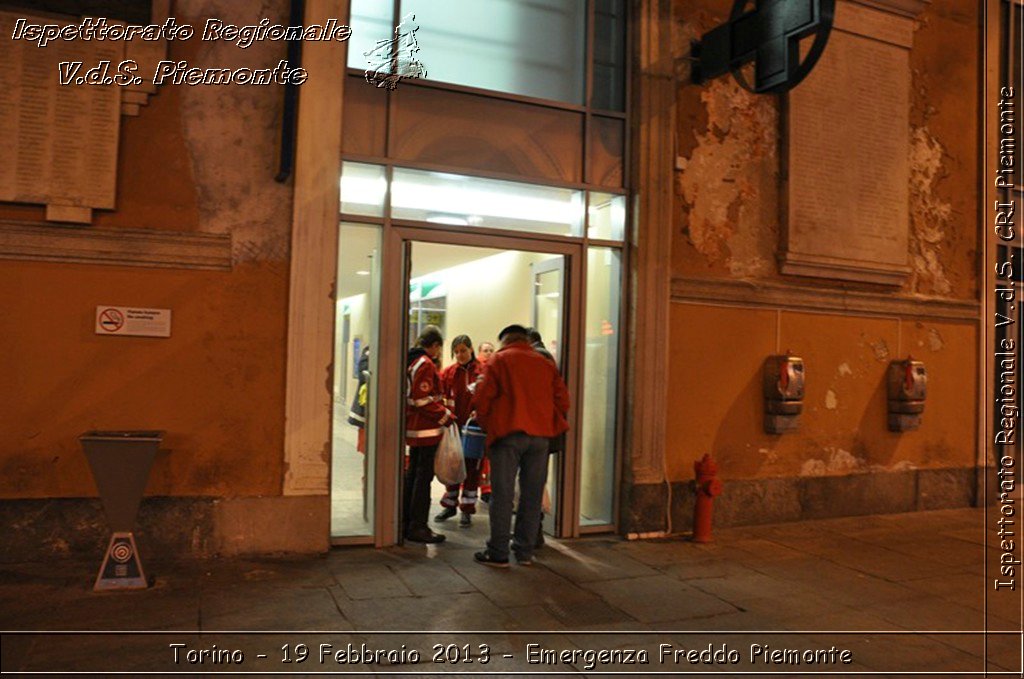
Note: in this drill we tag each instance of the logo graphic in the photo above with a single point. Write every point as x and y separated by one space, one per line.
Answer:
393 59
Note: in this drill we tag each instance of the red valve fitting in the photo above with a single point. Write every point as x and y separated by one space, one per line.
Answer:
708 488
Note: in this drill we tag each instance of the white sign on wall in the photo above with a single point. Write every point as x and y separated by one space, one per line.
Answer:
124 320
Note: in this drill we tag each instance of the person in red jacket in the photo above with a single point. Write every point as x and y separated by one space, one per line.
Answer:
425 419
459 381
521 403
484 353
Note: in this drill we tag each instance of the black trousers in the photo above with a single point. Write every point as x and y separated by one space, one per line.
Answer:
416 493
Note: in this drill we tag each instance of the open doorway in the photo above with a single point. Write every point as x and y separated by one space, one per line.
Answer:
475 292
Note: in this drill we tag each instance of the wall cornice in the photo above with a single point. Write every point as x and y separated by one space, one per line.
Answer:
33 241
807 298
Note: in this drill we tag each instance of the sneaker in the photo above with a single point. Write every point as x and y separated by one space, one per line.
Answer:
486 558
524 560
446 513
466 520
426 535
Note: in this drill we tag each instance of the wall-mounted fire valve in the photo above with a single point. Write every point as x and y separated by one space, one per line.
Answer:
783 393
908 388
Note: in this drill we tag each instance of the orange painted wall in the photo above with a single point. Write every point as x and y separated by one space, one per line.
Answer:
194 160
216 385
717 408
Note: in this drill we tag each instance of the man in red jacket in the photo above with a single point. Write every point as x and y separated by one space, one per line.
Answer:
425 419
521 403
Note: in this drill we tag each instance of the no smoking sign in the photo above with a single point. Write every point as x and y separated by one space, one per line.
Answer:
132 321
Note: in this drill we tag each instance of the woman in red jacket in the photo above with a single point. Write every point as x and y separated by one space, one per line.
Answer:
459 380
425 419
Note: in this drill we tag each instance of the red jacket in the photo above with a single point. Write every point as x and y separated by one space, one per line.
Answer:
522 391
457 380
425 413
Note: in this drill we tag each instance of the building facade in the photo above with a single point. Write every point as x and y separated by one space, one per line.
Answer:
666 236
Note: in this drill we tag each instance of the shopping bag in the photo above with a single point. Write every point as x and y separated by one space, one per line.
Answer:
449 465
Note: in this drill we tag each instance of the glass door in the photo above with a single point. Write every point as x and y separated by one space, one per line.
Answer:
353 451
474 285
549 321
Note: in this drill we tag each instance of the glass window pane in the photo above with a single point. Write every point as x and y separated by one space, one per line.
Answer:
600 382
535 48
355 360
363 188
474 202
609 91
370 21
607 215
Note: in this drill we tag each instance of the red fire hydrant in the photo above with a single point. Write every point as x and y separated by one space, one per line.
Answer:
708 487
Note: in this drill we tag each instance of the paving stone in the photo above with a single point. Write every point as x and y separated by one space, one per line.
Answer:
760 550
271 609
927 613
471 611
369 581
432 577
520 586
660 554
591 613
589 563
919 571
967 589
658 597
738 587
710 568
794 613
534 617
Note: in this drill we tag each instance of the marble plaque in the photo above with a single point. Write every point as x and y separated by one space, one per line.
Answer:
60 142
846 149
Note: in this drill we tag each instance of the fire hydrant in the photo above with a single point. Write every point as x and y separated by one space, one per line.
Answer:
708 487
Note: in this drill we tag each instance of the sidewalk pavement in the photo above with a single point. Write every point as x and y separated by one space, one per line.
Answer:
755 591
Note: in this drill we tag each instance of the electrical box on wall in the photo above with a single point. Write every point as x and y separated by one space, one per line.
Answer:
908 388
783 393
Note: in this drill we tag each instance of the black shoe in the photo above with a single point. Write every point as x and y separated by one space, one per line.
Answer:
446 513
425 535
466 520
486 558
485 498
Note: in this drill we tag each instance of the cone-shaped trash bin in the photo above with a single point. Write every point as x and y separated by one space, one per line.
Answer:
120 463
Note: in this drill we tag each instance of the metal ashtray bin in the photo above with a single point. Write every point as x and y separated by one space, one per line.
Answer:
120 462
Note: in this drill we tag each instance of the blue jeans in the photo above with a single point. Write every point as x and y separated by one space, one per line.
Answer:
526 456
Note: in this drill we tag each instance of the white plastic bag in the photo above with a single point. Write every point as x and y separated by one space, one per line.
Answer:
449 465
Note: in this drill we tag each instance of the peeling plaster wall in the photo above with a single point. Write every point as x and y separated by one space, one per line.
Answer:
728 172
232 136
198 159
727 226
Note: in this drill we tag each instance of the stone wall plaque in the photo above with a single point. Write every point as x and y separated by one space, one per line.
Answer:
846 150
59 142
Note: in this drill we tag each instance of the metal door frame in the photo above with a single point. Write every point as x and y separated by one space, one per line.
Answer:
390 443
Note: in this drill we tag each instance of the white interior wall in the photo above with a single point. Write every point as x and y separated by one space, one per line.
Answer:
487 294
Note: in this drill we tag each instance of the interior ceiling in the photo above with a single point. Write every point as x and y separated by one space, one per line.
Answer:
358 242
428 258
